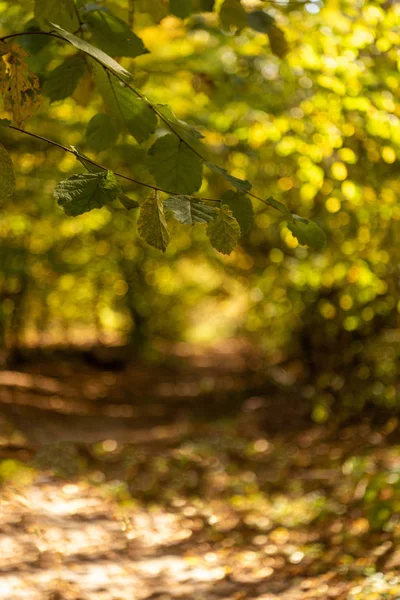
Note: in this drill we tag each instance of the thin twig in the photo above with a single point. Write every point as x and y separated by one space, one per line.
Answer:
100 166
47 33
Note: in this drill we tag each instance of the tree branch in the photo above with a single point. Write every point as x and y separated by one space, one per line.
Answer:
47 33
100 166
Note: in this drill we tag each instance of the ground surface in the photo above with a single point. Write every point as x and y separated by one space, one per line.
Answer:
186 481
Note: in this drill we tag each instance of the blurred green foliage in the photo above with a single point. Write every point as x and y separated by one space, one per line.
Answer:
313 123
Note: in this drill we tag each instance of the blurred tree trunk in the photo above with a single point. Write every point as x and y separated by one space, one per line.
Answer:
137 292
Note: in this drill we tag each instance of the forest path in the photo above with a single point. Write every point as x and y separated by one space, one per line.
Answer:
65 541
229 503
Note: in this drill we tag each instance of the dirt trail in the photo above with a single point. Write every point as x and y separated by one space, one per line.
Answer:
179 484
65 541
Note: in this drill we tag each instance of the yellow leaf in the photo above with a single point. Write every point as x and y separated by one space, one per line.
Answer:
151 224
19 87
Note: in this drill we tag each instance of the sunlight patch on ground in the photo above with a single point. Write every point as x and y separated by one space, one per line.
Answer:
67 539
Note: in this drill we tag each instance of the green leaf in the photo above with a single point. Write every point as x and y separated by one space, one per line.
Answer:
62 81
261 21
5 122
128 110
81 193
181 8
186 132
101 133
139 119
127 202
113 35
224 232
62 12
33 44
242 209
87 48
175 167
190 211
307 233
152 226
278 205
232 15
240 184
7 178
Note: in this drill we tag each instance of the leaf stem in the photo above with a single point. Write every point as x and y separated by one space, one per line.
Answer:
100 166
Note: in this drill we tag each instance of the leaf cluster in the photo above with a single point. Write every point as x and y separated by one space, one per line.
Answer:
175 159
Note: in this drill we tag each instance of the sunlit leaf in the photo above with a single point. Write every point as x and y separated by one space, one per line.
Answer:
224 232
7 179
19 87
81 193
91 50
307 233
62 12
62 81
242 209
175 167
240 184
189 210
152 226
101 133
113 35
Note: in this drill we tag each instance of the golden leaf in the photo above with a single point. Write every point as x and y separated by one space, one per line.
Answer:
19 87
